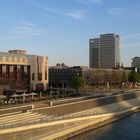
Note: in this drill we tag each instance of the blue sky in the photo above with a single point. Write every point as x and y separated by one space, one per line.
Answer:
61 29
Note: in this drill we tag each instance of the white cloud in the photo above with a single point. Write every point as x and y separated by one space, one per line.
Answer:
90 1
78 14
25 23
21 30
117 11
25 31
75 14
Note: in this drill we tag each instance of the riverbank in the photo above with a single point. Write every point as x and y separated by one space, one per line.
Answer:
75 118
126 128
71 132
64 129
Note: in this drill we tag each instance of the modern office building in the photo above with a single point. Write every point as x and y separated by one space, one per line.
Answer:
104 52
136 62
20 71
94 53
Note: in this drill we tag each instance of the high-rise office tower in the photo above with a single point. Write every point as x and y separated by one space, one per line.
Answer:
104 52
94 52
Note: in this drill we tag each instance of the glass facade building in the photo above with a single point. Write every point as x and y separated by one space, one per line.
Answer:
104 52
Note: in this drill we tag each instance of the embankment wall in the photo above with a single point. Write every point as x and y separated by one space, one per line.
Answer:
69 108
95 125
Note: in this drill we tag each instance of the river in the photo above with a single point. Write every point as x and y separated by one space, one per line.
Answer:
127 128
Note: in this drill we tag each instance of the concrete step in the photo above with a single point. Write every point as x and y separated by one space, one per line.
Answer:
15 115
19 117
21 120
9 114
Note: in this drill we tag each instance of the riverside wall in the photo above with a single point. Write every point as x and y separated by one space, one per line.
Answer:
28 133
31 133
74 107
93 126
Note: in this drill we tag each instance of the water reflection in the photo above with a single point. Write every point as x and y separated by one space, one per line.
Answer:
127 128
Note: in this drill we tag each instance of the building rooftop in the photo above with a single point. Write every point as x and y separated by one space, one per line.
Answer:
18 51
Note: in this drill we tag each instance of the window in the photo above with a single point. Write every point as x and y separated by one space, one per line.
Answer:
33 76
0 70
39 76
46 73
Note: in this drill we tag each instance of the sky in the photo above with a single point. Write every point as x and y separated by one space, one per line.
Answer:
61 29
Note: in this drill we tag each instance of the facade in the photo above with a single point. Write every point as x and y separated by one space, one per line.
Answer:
136 62
94 52
61 75
20 71
104 52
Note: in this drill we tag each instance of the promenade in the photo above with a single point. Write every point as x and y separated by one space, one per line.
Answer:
67 125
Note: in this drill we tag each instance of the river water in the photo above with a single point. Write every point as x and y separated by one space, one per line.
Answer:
127 128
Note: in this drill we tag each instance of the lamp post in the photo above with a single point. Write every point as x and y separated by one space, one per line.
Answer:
57 91
51 91
40 94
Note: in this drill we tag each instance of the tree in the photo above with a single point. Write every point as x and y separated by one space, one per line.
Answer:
78 82
138 77
134 77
